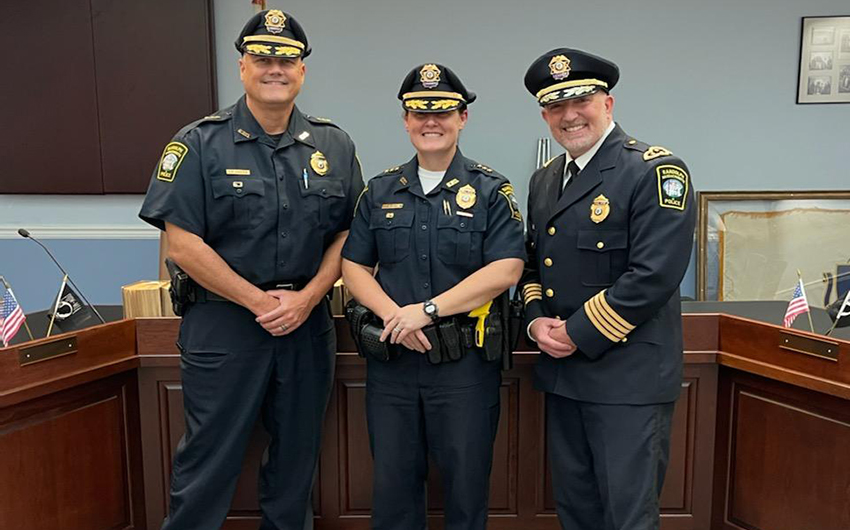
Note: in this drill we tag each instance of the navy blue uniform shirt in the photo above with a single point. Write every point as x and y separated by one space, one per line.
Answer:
269 209
427 244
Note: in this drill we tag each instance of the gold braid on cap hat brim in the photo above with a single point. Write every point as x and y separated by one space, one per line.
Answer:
570 84
438 94
275 39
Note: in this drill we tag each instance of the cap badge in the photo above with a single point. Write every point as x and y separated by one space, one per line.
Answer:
275 20
559 67
600 209
465 197
429 76
319 163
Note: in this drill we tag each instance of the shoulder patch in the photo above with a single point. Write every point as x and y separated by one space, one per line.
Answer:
357 204
507 191
170 161
656 151
672 186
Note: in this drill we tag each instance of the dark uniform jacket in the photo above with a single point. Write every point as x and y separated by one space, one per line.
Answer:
427 244
269 209
608 257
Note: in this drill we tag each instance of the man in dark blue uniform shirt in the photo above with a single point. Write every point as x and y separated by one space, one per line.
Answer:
610 231
445 234
256 201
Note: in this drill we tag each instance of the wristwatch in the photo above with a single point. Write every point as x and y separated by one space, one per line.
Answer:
430 309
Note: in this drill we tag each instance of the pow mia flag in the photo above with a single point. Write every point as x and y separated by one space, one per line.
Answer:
70 313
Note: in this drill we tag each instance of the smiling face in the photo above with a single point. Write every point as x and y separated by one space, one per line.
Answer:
271 81
577 124
435 133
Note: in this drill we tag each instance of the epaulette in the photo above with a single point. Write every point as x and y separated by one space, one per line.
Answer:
481 168
545 164
223 116
650 152
390 171
320 121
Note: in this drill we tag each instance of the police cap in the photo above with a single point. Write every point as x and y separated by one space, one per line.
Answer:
273 33
433 88
564 73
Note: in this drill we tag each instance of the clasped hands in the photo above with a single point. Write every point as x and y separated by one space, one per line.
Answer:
404 326
552 337
282 311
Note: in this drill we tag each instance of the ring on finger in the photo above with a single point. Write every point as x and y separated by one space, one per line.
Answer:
283 327
397 329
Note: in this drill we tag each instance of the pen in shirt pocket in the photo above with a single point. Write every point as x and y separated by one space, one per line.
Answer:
306 178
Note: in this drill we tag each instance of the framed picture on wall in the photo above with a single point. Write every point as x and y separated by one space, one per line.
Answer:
824 60
751 245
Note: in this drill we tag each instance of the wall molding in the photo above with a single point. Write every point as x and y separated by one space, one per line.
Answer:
81 232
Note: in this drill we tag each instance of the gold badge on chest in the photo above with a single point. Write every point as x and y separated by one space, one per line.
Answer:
465 197
319 163
600 209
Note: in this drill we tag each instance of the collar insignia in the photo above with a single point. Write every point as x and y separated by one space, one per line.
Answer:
303 136
403 180
275 20
452 182
429 76
244 133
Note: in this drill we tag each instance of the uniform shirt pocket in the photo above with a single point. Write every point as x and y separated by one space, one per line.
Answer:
392 231
603 256
460 239
239 200
324 201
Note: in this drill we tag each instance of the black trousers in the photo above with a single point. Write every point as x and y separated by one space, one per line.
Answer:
608 462
448 412
233 372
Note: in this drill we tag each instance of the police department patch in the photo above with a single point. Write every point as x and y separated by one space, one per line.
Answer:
172 156
672 186
507 191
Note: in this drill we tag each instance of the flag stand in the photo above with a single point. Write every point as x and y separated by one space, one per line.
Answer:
56 305
808 311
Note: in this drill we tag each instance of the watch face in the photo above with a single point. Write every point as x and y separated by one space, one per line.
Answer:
430 309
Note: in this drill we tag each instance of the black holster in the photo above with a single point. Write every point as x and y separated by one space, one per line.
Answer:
182 289
366 329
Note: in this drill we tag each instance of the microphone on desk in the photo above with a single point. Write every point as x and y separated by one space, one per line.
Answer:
25 234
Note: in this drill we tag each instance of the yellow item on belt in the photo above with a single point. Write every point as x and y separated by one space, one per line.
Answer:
481 314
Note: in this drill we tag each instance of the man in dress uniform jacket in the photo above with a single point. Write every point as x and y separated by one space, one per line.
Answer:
256 201
610 230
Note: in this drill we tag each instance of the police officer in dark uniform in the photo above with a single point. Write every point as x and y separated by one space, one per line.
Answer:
445 234
256 201
610 230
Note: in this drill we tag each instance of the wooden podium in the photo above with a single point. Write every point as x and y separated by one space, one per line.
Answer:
761 435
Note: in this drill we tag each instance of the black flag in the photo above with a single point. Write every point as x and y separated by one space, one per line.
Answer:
71 312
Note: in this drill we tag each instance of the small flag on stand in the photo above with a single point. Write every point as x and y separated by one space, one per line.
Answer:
797 306
11 317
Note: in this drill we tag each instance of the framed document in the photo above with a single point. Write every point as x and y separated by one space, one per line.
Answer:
824 60
751 245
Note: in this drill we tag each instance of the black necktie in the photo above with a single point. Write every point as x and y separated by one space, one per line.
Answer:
573 169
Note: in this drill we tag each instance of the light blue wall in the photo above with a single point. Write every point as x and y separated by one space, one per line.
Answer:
715 82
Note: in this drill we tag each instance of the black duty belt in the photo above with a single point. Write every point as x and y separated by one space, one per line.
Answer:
204 295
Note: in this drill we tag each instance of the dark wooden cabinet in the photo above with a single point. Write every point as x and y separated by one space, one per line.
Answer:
96 88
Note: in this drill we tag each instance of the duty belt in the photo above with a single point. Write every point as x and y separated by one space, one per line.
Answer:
204 295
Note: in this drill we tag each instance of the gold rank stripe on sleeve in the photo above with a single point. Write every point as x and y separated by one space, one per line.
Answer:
531 292
607 321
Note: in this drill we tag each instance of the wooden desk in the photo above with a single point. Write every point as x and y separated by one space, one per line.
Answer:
760 440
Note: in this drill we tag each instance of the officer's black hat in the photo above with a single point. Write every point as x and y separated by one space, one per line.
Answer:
273 33
564 73
433 88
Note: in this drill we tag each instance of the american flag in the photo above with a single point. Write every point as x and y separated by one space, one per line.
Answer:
11 318
797 306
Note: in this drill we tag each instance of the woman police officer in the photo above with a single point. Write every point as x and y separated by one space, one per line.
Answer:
446 237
